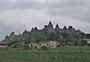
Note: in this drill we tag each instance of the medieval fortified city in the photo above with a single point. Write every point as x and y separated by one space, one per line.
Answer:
44 30
48 37
48 44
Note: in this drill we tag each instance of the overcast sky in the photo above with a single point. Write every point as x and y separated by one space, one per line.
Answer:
19 15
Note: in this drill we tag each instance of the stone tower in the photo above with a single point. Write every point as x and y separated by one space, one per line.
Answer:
57 27
65 28
50 25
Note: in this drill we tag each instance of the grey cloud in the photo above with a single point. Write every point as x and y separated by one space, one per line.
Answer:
19 4
6 28
68 3
27 4
77 9
4 5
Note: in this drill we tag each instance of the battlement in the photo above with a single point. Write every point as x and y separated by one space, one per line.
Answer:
47 28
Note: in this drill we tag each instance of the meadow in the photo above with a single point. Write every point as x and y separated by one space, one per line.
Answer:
63 54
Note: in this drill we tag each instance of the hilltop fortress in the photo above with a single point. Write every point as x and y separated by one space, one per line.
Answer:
65 35
47 28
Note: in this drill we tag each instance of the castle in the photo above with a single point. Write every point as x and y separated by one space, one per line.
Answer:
48 28
70 31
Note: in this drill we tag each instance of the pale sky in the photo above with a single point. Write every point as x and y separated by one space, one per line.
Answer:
19 15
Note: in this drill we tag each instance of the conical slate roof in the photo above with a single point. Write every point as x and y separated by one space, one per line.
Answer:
57 26
50 25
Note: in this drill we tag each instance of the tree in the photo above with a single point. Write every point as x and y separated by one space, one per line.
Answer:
83 42
44 48
51 36
27 40
26 46
76 42
36 36
10 43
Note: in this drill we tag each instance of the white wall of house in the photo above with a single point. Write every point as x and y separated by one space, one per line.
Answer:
50 44
3 46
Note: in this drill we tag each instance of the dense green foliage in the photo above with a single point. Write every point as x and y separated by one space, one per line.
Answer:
44 48
87 35
37 36
63 54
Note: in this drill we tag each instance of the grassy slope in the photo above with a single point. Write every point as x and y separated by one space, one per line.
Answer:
74 54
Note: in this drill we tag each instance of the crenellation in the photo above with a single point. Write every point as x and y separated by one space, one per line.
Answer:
70 27
47 28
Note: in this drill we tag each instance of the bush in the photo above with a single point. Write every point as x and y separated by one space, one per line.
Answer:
26 46
17 45
44 48
83 42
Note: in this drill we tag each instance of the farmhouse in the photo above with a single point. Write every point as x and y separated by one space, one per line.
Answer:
88 41
49 44
3 45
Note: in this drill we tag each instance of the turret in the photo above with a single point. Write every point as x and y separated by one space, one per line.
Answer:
50 25
70 27
25 33
65 27
7 38
12 34
57 27
36 28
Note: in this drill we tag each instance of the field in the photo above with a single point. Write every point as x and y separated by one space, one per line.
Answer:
63 54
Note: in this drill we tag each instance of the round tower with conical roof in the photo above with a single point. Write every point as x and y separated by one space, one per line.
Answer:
50 25
57 27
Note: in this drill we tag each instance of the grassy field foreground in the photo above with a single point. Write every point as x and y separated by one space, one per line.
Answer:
63 54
